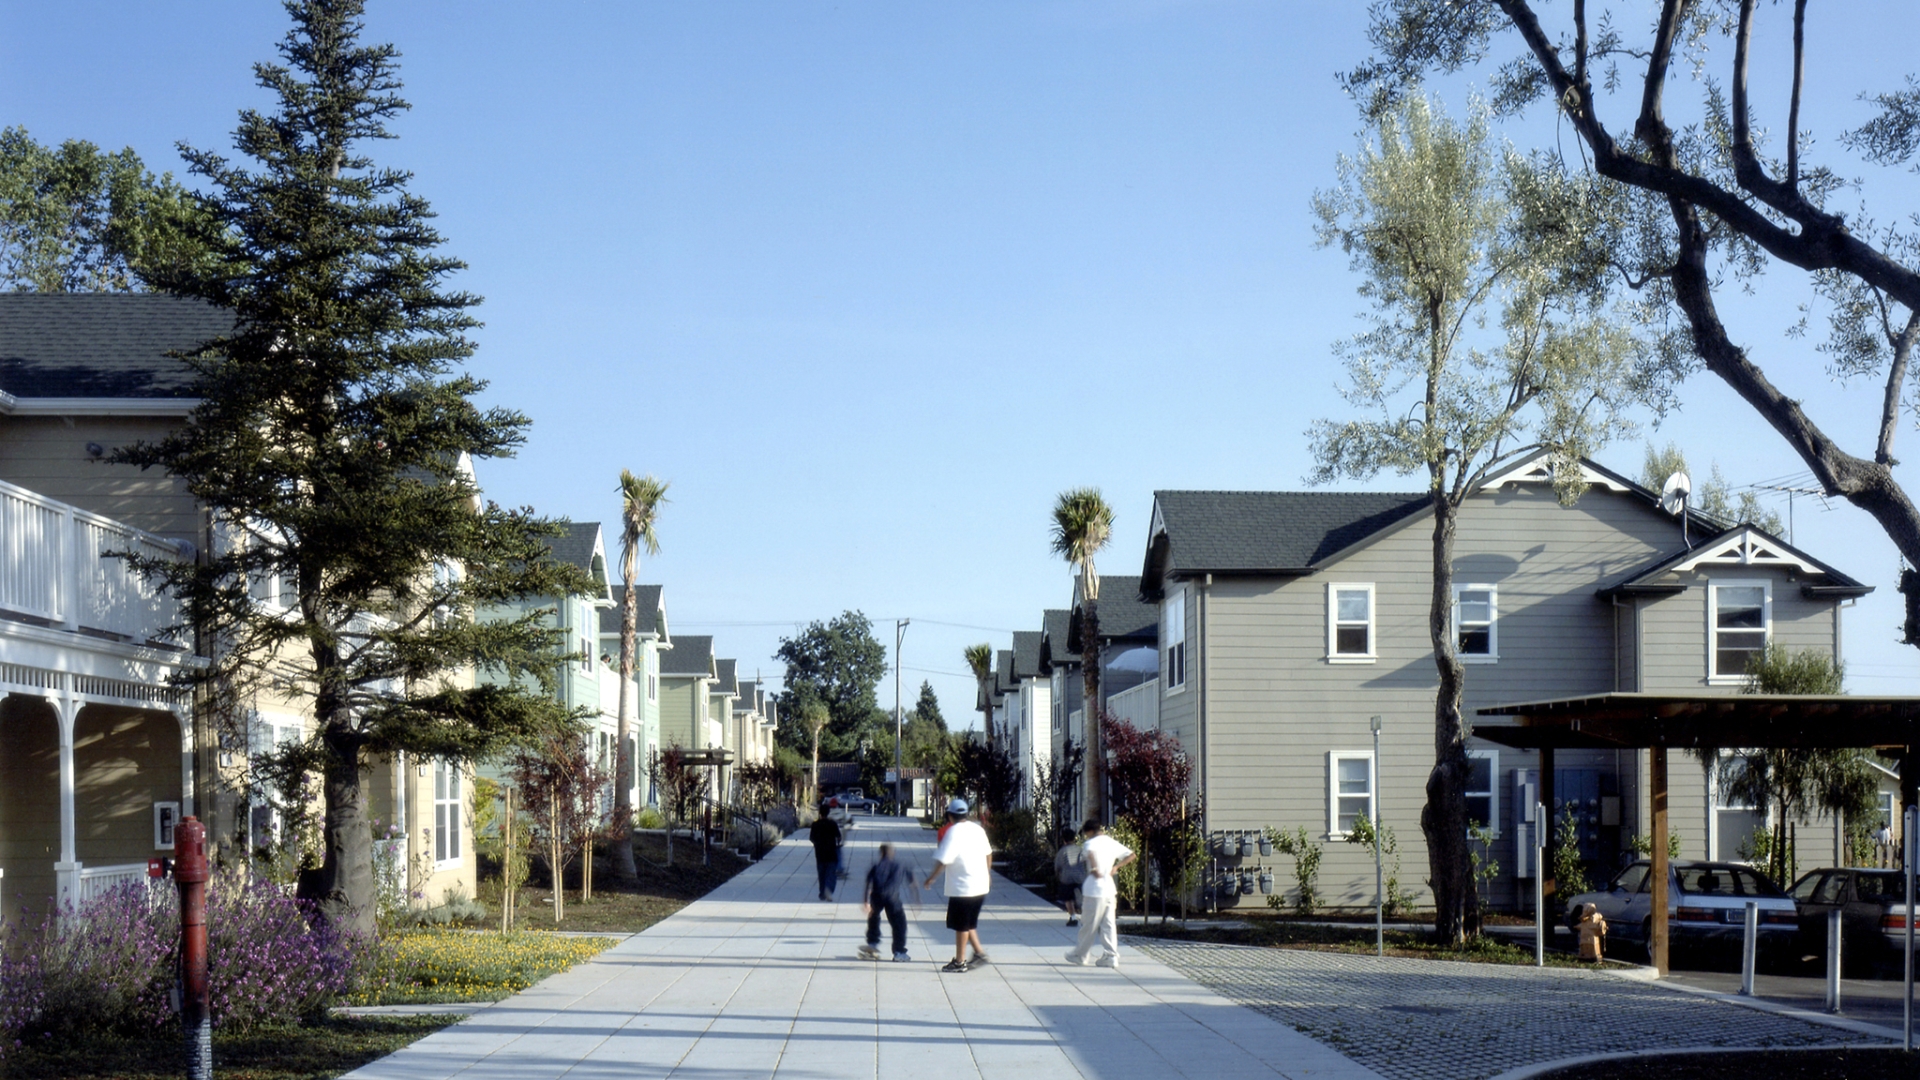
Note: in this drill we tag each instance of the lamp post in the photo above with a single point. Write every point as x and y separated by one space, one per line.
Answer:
899 728
1379 888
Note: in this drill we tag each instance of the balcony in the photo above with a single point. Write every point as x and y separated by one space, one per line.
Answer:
60 568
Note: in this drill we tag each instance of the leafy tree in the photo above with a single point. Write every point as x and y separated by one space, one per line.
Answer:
1490 333
74 219
1082 525
838 663
927 708
640 501
814 717
1712 496
330 445
560 787
980 662
986 774
682 786
1712 201
1151 780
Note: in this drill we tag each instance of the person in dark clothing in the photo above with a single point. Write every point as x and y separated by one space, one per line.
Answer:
882 893
825 835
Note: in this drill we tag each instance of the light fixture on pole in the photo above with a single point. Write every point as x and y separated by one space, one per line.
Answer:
899 725
1379 889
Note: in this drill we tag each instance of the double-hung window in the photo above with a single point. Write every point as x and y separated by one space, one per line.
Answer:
1173 639
1483 795
1349 790
1739 620
1476 633
447 810
1350 627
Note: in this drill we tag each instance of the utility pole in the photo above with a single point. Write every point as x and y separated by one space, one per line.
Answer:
899 725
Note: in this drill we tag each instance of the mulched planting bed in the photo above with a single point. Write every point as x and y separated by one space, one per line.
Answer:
1284 934
315 1051
1849 1064
621 907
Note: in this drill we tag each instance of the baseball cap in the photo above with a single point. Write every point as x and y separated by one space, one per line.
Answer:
957 806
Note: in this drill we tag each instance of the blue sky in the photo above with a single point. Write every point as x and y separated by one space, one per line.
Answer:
851 275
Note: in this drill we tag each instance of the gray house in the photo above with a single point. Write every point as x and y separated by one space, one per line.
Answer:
1288 619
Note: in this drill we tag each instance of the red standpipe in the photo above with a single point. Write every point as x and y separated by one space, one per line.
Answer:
190 873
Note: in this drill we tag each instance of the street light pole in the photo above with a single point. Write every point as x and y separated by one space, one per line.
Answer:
899 729
1379 888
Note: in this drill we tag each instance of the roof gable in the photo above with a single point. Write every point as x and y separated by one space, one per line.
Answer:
1122 613
649 612
1053 640
1746 547
726 678
691 655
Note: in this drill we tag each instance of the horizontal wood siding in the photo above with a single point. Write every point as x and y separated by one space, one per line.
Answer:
48 455
1674 628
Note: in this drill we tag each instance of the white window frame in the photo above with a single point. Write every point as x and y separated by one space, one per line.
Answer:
1334 656
1719 786
1492 655
1714 585
1334 758
1173 641
448 805
653 686
1492 758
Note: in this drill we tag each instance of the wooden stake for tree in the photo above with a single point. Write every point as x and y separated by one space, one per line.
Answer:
506 863
559 883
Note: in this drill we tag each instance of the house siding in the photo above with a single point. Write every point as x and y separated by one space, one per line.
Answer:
48 455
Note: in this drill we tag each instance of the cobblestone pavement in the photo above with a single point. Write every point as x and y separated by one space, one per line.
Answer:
1434 1020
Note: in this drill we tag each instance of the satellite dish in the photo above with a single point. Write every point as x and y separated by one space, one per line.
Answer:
1673 494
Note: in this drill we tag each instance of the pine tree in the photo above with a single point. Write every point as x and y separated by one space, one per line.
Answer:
332 445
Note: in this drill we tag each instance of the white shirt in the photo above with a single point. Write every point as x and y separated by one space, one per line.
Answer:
968 857
1102 852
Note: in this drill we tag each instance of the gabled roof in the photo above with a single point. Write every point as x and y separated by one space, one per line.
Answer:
1124 616
649 612
691 655
583 546
1026 654
102 345
1263 532
1746 546
726 678
1004 680
1053 641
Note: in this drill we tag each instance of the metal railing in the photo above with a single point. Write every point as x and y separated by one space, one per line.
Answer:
61 564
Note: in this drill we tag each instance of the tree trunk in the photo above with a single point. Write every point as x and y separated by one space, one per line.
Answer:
623 865
1444 819
342 886
1090 711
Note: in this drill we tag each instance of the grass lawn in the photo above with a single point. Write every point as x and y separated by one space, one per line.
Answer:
1851 1064
307 1052
439 966
622 907
1277 933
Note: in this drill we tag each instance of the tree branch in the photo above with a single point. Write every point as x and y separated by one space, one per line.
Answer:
1793 106
1896 383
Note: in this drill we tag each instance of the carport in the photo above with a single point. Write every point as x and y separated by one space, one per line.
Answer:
1659 722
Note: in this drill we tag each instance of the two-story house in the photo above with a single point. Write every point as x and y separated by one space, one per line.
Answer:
651 641
688 673
1288 620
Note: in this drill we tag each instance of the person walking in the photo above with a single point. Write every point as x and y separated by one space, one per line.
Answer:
825 835
966 850
882 893
1105 857
1070 870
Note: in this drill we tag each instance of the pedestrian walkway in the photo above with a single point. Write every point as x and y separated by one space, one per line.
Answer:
760 979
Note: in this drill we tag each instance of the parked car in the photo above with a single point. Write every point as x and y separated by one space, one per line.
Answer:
1873 913
1706 904
857 800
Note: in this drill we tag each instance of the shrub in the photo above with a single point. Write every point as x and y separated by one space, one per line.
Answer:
456 909
1396 900
649 817
1017 846
1306 868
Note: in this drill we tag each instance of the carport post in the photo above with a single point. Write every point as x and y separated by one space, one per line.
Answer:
1657 935
1539 885
1908 826
1749 948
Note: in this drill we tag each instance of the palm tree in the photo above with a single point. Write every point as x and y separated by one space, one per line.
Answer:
640 501
1082 525
980 659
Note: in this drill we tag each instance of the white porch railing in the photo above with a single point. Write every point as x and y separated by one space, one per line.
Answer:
1138 705
58 563
97 881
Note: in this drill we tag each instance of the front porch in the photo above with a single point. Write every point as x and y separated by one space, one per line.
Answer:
96 744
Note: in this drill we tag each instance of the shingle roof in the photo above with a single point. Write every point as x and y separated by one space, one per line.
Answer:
576 546
646 611
102 345
692 654
1053 640
1026 654
1003 677
727 681
1123 615
1264 531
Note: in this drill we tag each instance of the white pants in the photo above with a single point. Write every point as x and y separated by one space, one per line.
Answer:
1097 927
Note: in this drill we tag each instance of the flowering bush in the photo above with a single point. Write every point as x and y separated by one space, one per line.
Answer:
109 965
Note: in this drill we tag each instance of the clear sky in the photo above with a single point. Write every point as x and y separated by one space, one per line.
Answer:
871 282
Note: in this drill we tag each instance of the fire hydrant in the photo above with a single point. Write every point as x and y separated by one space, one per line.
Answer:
190 873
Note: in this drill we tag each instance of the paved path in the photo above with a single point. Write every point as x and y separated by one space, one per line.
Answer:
1437 1020
760 979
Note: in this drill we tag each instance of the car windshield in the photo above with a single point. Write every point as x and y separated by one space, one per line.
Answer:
1880 888
1724 881
1631 878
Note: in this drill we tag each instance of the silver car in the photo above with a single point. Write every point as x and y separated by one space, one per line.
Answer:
1706 902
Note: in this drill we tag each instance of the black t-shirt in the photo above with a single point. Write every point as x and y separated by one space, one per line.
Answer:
825 835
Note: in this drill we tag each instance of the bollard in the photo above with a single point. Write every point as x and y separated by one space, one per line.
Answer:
1833 961
1749 949
190 872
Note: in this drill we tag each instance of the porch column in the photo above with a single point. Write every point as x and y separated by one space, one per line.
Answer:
66 871
1657 781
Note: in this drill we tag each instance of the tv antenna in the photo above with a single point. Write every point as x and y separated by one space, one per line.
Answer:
1791 491
1673 499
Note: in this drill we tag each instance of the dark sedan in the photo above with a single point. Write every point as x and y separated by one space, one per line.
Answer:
1872 905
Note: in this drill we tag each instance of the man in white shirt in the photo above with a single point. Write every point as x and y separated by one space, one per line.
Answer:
964 850
1099 898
